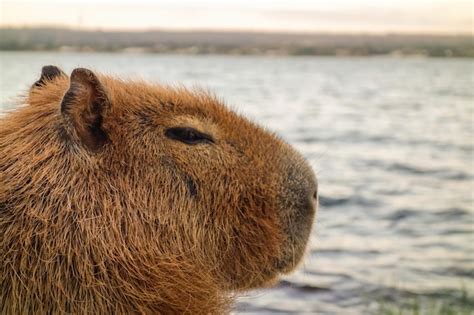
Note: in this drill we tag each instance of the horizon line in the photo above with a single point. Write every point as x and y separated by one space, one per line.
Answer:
236 30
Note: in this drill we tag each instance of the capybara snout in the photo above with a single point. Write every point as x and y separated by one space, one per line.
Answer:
299 200
129 197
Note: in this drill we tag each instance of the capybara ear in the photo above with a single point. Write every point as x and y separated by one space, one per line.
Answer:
83 107
48 73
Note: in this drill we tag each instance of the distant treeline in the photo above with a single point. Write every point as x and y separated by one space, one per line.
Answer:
239 43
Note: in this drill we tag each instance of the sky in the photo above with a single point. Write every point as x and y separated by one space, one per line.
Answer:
335 16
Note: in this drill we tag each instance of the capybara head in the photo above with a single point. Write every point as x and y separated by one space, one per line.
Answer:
128 197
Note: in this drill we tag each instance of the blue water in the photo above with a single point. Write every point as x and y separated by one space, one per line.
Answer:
391 140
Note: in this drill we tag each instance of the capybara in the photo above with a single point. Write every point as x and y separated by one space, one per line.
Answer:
130 197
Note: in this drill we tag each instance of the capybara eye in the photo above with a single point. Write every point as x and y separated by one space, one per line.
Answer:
188 135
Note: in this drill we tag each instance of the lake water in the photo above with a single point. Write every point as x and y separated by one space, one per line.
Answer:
391 140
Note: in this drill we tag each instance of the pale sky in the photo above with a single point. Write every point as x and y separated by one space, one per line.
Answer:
348 16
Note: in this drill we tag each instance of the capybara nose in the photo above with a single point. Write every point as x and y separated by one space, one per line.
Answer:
299 206
300 195
314 195
310 197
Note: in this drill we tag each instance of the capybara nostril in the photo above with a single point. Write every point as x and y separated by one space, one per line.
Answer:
313 191
312 199
314 196
308 202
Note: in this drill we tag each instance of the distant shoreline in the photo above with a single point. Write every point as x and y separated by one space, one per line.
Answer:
171 53
235 43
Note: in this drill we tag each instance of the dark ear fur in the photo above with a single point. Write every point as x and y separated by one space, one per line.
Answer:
48 73
83 107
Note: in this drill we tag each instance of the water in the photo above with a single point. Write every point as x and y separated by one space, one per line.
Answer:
391 141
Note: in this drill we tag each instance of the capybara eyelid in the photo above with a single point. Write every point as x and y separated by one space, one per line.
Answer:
188 135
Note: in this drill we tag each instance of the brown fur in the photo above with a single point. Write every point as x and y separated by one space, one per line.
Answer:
100 213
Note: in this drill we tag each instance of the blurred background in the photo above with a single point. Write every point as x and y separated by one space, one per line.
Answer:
378 95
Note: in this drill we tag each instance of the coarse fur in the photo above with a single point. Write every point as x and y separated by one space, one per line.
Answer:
101 213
